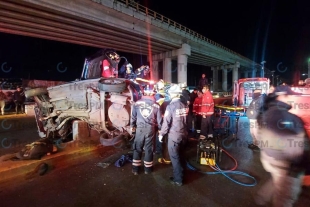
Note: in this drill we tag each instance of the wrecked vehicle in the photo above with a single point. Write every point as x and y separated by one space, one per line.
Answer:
104 104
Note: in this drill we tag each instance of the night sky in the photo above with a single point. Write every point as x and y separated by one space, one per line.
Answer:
274 31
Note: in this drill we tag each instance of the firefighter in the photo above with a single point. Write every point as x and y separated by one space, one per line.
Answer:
196 110
129 74
160 95
109 69
174 124
163 100
207 110
145 119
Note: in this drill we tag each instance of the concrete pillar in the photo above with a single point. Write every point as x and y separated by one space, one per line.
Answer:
215 78
235 75
224 79
167 70
183 54
154 74
182 68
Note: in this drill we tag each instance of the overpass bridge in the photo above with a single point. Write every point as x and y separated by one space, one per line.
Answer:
127 27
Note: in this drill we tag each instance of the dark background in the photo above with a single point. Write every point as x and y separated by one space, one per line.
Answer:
274 31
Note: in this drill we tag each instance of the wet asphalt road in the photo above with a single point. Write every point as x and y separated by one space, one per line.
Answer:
84 183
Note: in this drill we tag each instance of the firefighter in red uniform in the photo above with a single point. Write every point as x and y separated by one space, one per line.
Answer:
109 69
207 110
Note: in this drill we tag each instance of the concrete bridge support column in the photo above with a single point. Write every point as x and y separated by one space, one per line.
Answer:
224 79
235 75
215 78
167 70
182 68
183 54
154 74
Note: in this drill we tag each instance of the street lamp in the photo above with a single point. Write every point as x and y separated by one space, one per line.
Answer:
263 62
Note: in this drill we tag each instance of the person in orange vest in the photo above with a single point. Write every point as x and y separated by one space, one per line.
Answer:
207 110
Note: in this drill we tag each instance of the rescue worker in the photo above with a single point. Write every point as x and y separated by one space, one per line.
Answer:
197 110
163 100
109 69
284 150
145 119
185 97
174 124
160 91
207 110
130 75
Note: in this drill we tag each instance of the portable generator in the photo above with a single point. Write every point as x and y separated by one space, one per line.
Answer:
209 151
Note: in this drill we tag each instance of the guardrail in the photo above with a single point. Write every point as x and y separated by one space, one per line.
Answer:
162 18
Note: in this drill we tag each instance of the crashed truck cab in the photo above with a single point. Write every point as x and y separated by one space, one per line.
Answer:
104 104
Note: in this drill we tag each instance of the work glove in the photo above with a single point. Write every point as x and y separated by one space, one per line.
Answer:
160 138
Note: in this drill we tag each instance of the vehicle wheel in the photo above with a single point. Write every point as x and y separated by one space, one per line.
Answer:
35 92
112 85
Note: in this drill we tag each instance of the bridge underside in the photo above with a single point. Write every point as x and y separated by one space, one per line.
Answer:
30 18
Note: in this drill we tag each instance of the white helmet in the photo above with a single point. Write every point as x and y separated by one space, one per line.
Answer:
183 85
175 89
128 65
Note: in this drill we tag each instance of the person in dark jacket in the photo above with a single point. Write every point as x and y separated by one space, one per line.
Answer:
174 124
186 98
145 120
19 99
283 144
203 81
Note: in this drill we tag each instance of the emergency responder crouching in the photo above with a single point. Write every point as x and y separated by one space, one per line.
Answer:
145 118
174 124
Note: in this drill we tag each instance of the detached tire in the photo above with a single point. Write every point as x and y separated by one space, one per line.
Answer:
112 85
35 92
